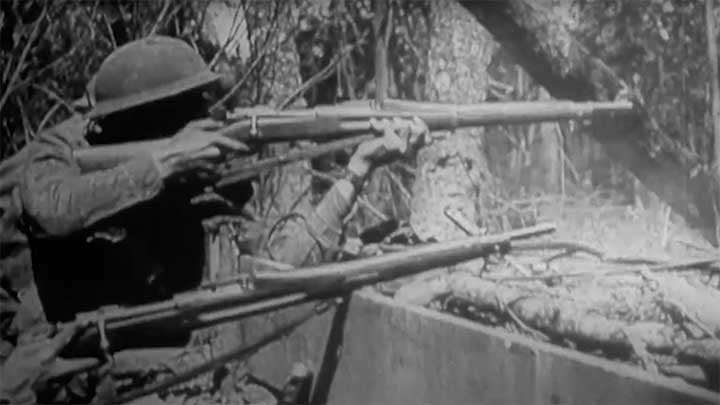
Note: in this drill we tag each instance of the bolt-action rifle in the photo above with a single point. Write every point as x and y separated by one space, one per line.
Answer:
348 124
104 329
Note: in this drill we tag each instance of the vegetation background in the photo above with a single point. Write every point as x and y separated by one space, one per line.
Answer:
304 53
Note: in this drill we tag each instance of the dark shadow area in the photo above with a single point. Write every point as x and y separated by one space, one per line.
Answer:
331 357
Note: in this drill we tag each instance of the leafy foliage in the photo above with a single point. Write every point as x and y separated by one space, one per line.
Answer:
658 46
50 50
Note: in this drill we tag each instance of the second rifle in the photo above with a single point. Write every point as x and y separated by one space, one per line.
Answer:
212 305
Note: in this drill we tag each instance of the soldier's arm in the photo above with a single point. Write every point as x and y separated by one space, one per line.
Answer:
303 240
59 199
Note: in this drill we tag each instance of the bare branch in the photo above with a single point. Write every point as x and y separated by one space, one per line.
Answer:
53 95
242 81
373 210
326 72
395 180
25 120
47 117
160 18
230 37
9 87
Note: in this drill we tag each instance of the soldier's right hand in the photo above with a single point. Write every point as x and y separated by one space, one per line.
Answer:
197 148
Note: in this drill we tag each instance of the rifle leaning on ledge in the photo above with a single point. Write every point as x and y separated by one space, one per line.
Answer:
224 302
347 124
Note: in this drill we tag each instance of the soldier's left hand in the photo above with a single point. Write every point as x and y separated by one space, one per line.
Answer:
400 137
34 360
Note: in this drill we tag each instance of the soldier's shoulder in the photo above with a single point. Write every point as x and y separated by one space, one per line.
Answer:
66 134
72 129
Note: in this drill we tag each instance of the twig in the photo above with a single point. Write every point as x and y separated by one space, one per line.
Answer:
501 97
21 62
568 247
113 42
561 151
31 77
687 265
275 192
326 72
693 246
517 266
201 21
299 198
365 203
666 226
230 37
53 95
405 168
164 10
351 214
323 176
393 178
6 71
506 88
6 133
532 332
680 309
462 222
242 81
25 120
265 45
47 117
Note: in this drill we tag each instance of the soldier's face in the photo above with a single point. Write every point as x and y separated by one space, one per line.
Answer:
151 121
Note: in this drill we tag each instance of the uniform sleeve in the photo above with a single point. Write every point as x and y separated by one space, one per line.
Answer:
305 240
58 199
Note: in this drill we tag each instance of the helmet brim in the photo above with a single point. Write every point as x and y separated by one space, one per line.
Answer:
119 104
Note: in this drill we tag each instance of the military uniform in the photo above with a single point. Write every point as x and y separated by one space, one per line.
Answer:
122 236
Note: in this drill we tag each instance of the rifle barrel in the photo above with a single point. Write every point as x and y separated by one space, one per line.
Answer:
352 119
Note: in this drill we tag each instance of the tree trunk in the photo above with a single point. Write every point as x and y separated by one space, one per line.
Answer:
548 154
541 43
452 173
713 56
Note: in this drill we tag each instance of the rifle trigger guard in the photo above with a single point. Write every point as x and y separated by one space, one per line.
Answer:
104 342
98 318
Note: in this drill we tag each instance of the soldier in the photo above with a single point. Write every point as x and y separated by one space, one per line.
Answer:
130 234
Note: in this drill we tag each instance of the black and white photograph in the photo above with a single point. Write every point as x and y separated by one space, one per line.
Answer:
340 202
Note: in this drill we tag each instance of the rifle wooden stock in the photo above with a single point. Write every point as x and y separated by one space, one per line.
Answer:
216 304
260 126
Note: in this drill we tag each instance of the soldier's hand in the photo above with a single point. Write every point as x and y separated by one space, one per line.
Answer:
34 359
400 137
197 148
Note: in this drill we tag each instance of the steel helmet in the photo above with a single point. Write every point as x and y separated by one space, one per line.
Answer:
147 70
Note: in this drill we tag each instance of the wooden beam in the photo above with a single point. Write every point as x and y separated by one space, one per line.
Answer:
385 352
541 43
